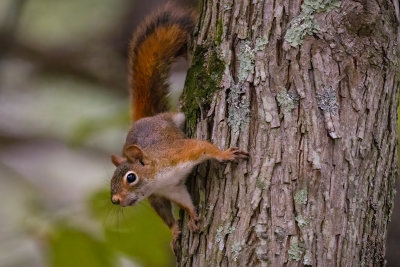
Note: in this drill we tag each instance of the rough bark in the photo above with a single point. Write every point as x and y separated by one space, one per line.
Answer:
310 89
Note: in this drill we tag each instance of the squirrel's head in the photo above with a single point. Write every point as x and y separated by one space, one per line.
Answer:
132 180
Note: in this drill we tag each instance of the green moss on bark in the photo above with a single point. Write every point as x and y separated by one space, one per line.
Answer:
220 30
202 80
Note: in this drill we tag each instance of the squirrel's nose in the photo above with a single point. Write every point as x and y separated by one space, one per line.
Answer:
115 199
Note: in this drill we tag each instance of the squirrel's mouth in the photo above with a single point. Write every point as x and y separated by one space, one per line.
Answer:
130 202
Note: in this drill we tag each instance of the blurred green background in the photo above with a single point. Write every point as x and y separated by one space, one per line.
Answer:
63 112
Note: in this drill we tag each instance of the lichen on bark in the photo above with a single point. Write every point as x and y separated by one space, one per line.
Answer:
301 196
246 61
301 221
239 104
287 100
236 248
305 196
239 107
304 24
327 101
295 252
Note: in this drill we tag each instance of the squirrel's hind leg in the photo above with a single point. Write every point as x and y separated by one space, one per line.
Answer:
181 197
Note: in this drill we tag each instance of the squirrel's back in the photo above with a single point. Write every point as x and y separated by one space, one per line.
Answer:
152 132
154 46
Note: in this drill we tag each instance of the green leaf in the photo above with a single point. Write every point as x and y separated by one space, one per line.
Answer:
138 232
73 247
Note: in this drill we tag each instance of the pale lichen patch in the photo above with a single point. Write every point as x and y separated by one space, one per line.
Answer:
295 251
246 61
261 43
304 24
307 259
301 26
301 196
286 100
320 5
239 107
236 248
301 221
327 101
239 103
220 235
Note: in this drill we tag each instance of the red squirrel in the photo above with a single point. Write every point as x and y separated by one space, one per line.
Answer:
157 156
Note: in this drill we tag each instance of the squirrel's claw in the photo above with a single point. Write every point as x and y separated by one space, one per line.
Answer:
175 236
193 223
234 153
193 226
176 233
175 245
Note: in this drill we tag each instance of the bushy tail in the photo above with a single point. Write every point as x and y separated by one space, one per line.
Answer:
154 46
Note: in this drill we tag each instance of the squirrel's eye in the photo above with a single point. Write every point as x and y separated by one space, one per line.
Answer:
131 178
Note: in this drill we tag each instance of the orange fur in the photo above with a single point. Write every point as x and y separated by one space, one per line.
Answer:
153 48
193 150
186 150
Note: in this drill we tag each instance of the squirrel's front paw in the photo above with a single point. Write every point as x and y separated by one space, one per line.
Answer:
193 224
234 153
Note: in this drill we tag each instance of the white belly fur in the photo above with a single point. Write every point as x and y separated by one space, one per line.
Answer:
172 176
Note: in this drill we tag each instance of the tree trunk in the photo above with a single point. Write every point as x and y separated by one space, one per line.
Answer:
310 89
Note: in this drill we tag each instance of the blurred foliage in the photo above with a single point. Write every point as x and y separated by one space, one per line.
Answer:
60 83
53 22
137 232
75 111
74 247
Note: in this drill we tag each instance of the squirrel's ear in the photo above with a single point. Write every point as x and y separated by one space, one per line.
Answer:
117 160
133 152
